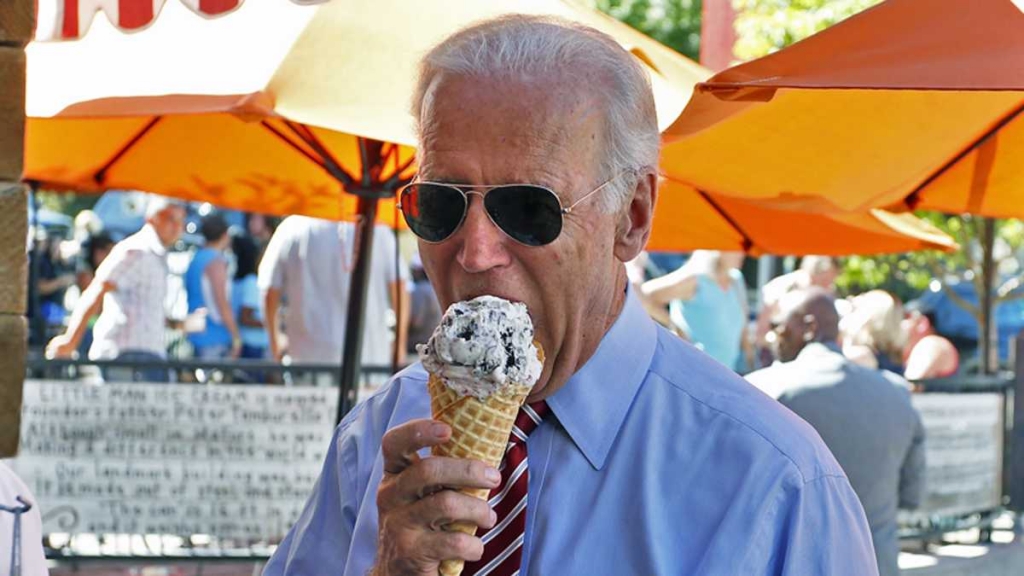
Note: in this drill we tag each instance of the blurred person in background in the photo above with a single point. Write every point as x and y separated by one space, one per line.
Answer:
879 333
424 311
864 415
638 272
926 354
51 277
872 332
131 284
94 250
260 228
206 283
307 267
707 303
814 270
246 301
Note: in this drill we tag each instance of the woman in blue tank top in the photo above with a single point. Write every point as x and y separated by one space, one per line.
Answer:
707 302
206 284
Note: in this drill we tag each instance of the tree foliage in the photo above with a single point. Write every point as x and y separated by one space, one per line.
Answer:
764 26
674 23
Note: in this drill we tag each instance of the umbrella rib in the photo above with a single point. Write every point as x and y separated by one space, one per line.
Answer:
332 166
284 137
914 198
747 243
101 175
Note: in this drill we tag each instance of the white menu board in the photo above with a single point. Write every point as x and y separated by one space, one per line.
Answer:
228 461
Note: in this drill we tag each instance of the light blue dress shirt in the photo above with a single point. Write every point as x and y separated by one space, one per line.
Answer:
658 460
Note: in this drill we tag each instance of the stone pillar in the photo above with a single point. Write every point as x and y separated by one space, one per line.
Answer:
16 24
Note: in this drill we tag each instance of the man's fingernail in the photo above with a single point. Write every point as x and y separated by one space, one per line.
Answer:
439 430
494 517
493 475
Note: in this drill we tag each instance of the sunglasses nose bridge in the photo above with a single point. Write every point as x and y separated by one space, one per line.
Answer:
482 245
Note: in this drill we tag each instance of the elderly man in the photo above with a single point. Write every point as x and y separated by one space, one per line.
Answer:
864 415
538 153
131 285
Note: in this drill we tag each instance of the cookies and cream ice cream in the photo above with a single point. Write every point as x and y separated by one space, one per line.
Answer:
483 345
483 363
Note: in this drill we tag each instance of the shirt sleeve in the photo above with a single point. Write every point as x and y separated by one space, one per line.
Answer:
820 529
271 270
321 539
912 474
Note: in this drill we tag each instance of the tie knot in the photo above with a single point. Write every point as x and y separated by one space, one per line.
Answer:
530 416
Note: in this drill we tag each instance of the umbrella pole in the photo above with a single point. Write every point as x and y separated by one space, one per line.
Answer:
989 354
356 316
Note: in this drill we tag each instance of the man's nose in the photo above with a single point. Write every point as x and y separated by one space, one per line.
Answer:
483 244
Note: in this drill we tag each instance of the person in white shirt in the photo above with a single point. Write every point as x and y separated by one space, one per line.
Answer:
131 284
308 266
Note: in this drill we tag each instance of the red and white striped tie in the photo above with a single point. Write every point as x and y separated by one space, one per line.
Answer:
503 544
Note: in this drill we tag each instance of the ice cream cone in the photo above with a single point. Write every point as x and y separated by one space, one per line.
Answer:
480 431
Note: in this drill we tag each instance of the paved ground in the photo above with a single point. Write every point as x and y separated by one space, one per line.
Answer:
98 568
1005 557
967 560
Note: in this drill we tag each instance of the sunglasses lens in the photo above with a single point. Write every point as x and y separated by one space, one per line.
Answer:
433 212
528 214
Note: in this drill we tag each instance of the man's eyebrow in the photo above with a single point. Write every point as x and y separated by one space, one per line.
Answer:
464 182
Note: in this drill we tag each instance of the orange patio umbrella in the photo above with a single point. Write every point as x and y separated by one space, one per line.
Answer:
907 105
686 219
277 108
251 117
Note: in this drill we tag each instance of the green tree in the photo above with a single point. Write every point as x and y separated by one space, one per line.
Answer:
764 26
674 23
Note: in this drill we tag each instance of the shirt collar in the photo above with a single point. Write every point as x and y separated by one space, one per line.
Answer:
817 349
592 405
150 241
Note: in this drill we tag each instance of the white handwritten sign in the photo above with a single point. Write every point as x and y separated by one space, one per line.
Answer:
964 450
229 461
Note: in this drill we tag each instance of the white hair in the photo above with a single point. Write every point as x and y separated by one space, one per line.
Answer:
156 204
525 47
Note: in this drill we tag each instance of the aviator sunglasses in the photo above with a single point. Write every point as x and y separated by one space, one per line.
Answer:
527 213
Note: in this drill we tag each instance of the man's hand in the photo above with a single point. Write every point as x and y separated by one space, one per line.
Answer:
60 347
417 498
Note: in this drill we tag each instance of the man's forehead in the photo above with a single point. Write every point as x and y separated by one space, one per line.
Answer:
514 108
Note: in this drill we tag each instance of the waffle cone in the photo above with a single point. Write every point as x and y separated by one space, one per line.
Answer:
480 431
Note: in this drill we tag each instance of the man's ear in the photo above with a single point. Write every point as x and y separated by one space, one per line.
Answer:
811 327
634 226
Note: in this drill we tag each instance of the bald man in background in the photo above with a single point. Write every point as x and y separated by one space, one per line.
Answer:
864 416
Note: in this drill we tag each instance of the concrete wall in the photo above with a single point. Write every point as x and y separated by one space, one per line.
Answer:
16 24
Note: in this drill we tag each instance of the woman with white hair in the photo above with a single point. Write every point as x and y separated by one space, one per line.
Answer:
871 332
707 303
878 333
